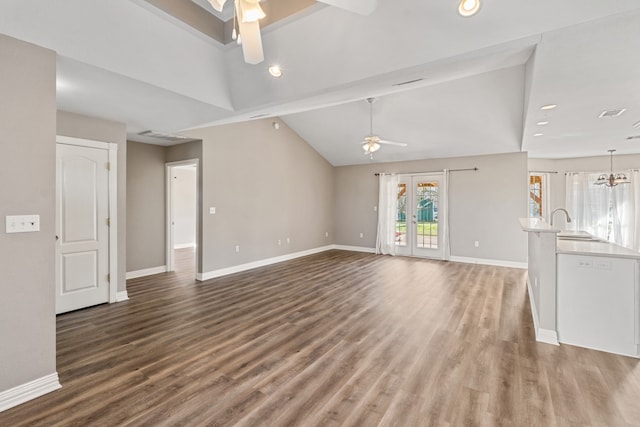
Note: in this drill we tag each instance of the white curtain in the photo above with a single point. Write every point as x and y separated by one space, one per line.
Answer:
387 211
625 212
610 213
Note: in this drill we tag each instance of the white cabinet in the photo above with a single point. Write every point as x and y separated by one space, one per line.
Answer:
598 303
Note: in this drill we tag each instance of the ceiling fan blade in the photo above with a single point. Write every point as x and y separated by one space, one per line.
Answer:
217 4
399 144
363 7
251 42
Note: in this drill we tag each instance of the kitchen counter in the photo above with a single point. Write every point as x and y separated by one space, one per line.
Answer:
537 225
595 248
583 291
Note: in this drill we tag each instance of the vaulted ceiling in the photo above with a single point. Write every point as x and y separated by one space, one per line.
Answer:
478 84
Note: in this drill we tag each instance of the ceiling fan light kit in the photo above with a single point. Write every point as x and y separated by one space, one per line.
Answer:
612 180
246 27
372 142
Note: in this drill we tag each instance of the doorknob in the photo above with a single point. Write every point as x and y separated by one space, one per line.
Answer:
56 237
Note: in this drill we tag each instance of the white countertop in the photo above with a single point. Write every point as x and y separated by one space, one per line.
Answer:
537 225
592 248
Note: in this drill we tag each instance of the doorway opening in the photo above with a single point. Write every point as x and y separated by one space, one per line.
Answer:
182 216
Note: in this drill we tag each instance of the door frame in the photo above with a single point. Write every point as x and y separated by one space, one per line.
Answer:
169 257
410 249
112 149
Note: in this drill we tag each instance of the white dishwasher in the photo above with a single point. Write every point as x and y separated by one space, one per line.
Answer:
598 303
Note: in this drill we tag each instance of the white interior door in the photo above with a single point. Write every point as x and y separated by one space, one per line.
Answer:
82 227
418 223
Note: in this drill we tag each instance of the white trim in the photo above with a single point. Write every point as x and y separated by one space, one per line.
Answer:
112 149
122 296
354 249
169 247
261 263
494 262
184 245
28 391
113 222
546 336
146 272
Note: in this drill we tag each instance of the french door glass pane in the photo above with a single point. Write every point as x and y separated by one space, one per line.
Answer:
427 215
401 216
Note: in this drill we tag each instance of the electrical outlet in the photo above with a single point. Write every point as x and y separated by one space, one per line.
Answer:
476 244
288 240
279 242
326 234
212 211
237 248
361 235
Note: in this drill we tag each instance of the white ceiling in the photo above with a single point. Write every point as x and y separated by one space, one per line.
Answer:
483 78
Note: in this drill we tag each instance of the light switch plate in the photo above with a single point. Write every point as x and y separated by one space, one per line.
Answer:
22 223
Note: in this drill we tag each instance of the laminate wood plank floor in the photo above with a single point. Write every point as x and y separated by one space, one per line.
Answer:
333 339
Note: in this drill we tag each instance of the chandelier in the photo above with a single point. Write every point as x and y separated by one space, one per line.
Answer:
611 180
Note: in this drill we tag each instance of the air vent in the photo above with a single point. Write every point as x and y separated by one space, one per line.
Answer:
164 136
408 82
257 116
612 113
636 125
633 137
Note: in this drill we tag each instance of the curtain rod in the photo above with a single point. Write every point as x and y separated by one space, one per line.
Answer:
416 173
594 172
543 171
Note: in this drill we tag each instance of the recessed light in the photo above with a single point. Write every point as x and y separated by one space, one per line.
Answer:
542 123
548 107
538 134
468 7
275 70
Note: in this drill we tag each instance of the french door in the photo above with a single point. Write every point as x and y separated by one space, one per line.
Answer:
418 219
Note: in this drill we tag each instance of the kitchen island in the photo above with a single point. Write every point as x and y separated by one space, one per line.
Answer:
583 291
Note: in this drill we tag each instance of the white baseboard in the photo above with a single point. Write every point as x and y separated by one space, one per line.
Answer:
146 272
25 392
122 296
184 245
494 262
261 263
354 249
546 336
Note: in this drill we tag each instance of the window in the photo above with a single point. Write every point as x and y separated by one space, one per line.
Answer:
539 195
535 196
610 213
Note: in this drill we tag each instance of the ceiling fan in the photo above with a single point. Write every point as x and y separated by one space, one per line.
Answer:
248 13
372 142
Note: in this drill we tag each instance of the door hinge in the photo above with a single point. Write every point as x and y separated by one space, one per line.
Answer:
108 222
109 277
108 166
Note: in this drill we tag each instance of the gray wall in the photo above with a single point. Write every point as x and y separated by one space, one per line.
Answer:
185 196
79 126
145 206
584 164
266 185
28 129
484 205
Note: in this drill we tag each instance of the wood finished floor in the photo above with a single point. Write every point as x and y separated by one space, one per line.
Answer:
338 338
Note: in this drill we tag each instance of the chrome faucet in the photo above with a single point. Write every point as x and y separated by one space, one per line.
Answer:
559 209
